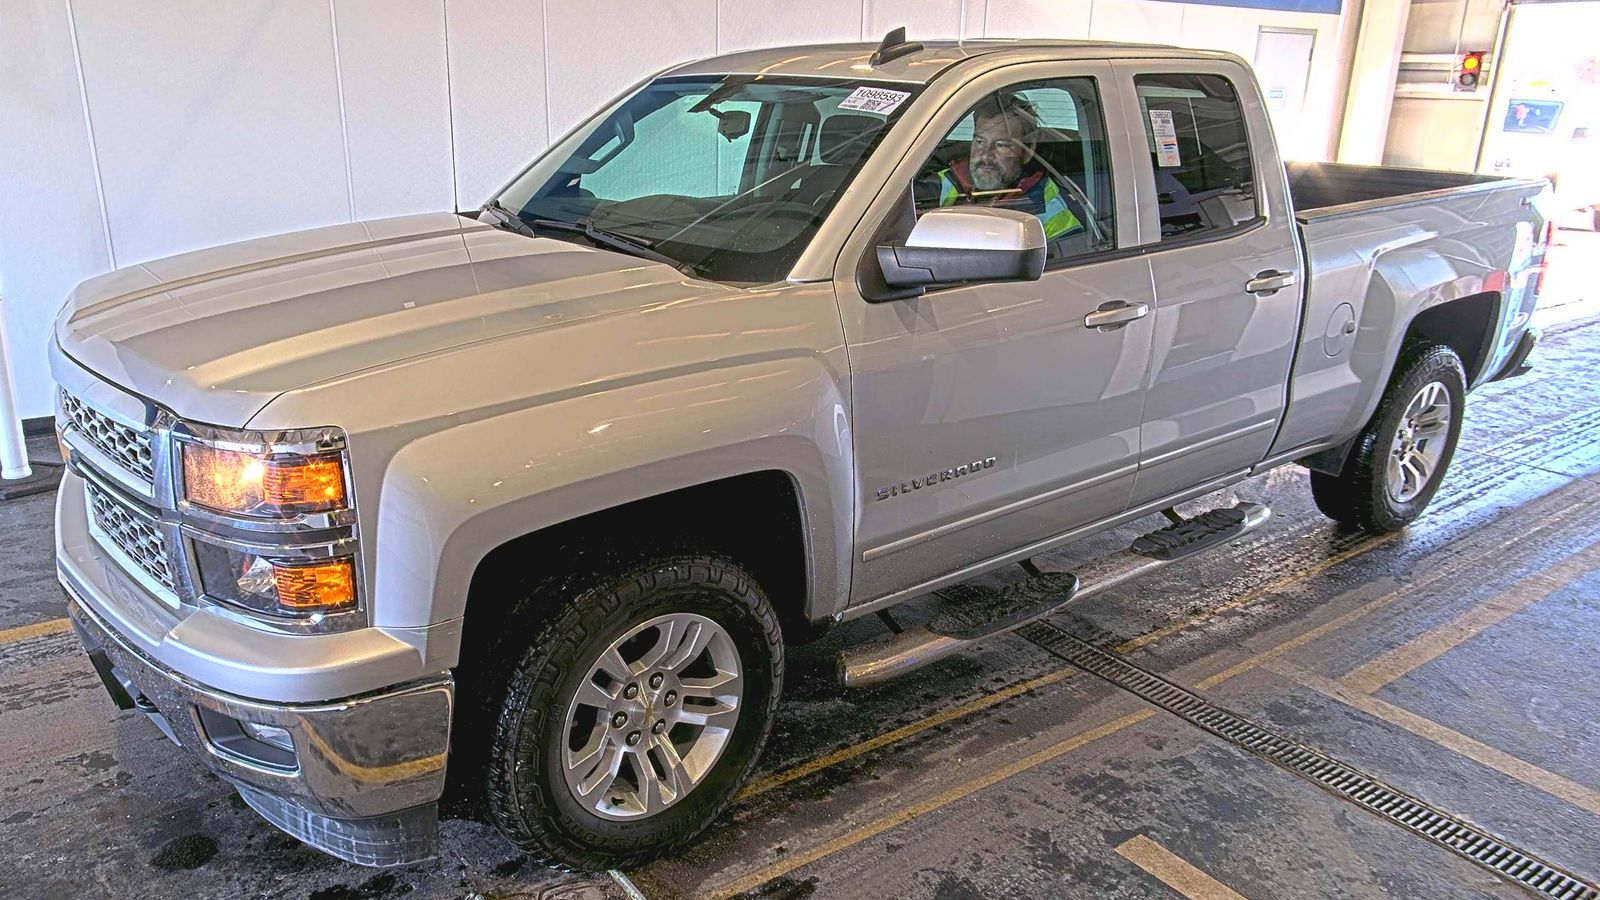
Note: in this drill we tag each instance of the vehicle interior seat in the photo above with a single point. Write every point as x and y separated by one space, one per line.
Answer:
841 139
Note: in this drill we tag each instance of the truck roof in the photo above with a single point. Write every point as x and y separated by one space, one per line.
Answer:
921 66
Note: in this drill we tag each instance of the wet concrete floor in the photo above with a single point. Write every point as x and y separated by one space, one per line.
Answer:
1454 661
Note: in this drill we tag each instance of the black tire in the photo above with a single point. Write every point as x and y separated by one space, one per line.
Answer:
525 791
1359 497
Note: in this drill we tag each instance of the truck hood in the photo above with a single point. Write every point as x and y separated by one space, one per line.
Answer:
216 334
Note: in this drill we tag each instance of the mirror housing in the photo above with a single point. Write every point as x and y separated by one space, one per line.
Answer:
963 245
733 124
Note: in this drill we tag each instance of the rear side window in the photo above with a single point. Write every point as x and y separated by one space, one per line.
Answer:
1200 150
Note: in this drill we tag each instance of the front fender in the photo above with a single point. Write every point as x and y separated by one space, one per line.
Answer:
451 497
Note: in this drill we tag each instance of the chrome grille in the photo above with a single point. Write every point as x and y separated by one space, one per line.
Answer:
132 532
128 447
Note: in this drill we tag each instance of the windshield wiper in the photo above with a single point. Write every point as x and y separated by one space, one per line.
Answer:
509 218
609 240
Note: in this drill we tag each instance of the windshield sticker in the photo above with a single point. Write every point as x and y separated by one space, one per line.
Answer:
1166 138
874 100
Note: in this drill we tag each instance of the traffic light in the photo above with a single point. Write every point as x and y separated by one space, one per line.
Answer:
1469 70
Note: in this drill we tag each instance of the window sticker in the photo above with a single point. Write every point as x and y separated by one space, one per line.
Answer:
1166 138
874 100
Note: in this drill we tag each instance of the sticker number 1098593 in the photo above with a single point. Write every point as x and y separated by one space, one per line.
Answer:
874 100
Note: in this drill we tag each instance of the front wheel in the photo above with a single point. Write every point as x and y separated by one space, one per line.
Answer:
1401 456
638 712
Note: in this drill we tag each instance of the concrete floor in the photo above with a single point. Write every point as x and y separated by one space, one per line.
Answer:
1453 661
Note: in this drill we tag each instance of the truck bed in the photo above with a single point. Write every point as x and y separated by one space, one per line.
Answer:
1325 189
1382 243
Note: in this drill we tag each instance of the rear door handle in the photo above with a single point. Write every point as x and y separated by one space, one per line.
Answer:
1269 282
1115 314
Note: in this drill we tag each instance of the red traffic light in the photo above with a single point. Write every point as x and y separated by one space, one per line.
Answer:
1468 69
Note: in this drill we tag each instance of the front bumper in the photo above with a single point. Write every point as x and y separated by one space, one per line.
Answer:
365 775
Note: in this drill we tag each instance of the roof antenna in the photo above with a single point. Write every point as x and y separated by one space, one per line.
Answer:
893 47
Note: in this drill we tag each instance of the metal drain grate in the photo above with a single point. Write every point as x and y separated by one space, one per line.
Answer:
1336 777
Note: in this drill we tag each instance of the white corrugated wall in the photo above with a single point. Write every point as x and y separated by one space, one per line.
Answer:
133 129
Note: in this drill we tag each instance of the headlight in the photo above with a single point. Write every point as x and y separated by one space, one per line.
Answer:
278 587
270 519
260 484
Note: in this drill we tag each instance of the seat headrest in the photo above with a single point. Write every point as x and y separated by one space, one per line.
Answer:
845 136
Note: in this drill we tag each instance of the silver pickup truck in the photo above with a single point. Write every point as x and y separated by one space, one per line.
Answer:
774 340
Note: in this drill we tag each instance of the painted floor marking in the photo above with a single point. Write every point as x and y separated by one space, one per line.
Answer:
37 629
762 785
1340 779
811 767
1550 783
906 814
1174 871
945 798
1395 664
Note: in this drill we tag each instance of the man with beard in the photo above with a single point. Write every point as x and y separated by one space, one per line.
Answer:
1001 170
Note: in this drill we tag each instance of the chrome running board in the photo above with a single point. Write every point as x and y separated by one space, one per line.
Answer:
978 613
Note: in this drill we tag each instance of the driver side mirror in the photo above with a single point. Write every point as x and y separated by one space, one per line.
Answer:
963 245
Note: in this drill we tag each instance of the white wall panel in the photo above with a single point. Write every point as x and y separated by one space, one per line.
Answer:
497 92
214 122
743 24
1036 18
1221 28
50 230
1142 21
600 47
396 105
923 19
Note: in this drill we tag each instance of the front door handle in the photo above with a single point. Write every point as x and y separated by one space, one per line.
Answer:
1115 314
1269 282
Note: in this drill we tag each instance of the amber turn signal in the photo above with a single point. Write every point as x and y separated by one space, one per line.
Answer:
321 587
236 482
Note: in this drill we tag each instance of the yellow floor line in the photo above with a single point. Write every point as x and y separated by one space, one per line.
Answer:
1395 664
1174 871
901 816
1257 593
1550 783
762 785
37 629
906 814
923 807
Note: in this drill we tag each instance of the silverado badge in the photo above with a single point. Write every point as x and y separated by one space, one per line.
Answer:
933 478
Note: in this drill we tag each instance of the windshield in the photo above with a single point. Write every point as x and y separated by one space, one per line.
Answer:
730 176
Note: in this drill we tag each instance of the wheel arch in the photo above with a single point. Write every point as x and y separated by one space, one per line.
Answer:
775 555
775 429
1468 325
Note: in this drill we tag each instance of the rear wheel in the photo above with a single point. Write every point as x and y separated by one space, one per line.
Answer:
639 710
1401 456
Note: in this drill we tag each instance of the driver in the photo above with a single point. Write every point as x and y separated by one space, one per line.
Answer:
1002 170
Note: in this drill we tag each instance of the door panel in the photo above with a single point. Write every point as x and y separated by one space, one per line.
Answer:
990 416
1283 66
1216 221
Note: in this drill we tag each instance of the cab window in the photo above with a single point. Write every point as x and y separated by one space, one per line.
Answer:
1038 147
1200 150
